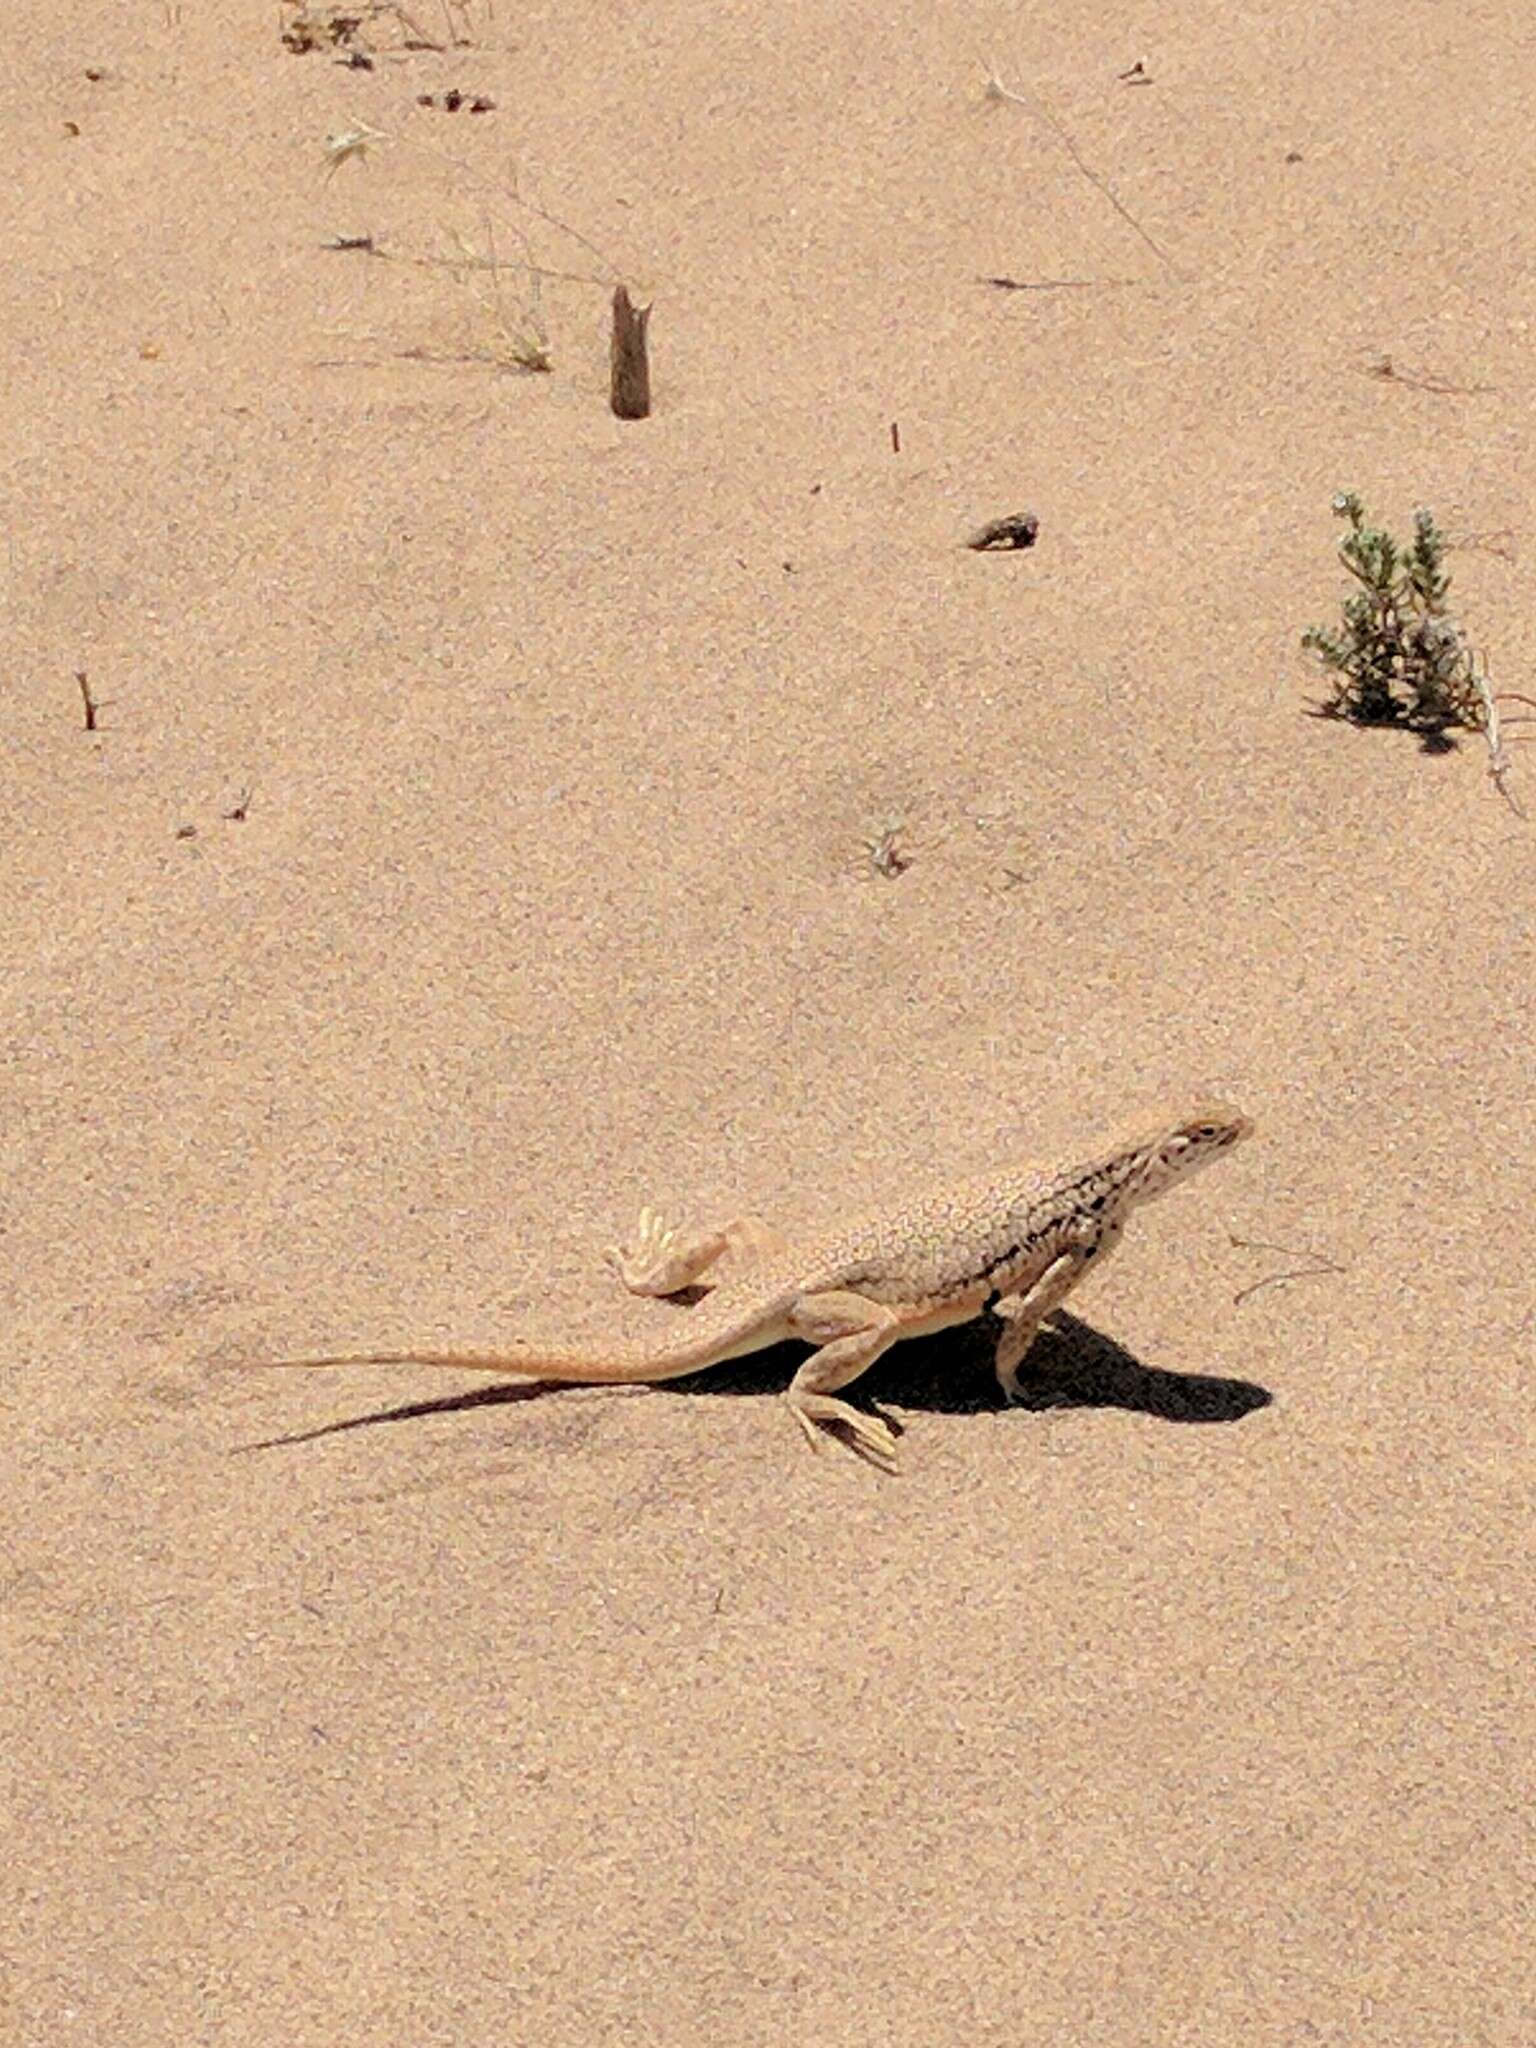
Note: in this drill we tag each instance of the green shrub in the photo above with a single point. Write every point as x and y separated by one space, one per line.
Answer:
1398 658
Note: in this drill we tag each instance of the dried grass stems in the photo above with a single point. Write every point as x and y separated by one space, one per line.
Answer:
352 24
513 328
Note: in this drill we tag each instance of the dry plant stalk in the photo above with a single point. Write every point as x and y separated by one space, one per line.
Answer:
630 381
1493 730
92 703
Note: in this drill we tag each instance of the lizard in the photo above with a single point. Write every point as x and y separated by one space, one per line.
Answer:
1017 1241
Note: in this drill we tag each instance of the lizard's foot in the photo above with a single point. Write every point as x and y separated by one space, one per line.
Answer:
667 1259
1018 1335
663 1258
873 1437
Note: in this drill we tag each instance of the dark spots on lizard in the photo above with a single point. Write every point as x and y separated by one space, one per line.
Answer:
1003 1259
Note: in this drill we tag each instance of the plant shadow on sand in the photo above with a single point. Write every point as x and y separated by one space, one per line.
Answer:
1070 1365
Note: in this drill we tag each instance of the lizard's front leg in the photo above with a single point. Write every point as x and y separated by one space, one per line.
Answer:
1030 1311
666 1258
1047 1293
851 1332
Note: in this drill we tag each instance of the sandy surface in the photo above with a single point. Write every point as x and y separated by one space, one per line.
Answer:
587 1721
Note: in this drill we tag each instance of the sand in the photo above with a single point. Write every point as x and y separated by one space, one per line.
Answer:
473 846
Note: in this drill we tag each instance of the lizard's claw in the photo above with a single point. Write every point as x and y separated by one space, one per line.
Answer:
649 1264
874 1439
870 1436
815 1435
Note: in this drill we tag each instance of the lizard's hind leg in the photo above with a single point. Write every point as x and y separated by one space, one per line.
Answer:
669 1258
851 1331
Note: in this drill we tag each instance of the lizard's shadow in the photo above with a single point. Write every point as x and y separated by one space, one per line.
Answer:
1070 1365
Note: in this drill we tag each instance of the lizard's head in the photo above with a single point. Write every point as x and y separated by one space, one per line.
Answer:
1181 1149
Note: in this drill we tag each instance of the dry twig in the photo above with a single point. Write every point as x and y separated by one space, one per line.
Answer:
996 90
1314 1271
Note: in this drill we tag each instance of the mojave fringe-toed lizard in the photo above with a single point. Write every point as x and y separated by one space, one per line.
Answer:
1020 1238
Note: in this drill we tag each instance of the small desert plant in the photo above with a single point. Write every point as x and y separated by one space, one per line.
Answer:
1398 658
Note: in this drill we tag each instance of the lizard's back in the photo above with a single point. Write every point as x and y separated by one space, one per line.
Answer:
947 1240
